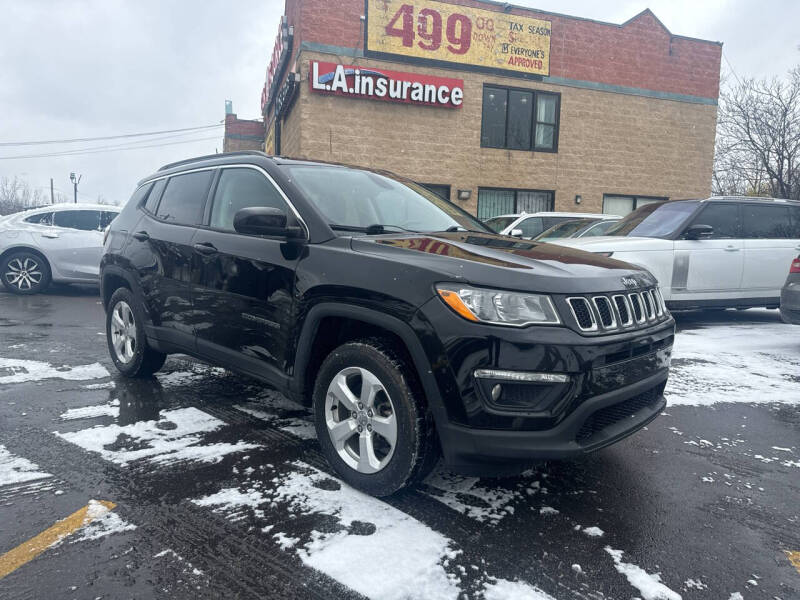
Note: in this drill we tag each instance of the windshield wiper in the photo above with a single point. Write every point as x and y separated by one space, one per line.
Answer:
454 228
374 229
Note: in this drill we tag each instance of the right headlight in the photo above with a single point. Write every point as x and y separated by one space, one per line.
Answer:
499 307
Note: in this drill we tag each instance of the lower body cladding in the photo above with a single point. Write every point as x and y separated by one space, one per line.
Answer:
517 395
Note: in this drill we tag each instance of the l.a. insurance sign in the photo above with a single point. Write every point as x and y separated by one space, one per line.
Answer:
427 30
390 86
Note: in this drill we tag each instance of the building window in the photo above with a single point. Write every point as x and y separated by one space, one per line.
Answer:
493 202
519 119
614 204
439 189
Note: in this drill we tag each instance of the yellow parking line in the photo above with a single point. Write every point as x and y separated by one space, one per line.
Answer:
794 558
26 552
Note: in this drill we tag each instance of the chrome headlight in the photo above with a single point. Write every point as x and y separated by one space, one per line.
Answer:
499 307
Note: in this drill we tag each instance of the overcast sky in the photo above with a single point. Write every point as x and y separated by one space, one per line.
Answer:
107 67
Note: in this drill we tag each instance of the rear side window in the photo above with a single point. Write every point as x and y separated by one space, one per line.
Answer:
83 220
139 194
41 219
242 188
766 222
106 217
724 218
155 195
184 198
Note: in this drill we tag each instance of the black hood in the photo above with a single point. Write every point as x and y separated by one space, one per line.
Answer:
490 260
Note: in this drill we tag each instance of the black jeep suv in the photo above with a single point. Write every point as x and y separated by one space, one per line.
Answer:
410 327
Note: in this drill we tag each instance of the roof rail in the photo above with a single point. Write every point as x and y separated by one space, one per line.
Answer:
187 161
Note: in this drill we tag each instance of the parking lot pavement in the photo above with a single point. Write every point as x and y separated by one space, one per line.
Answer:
203 484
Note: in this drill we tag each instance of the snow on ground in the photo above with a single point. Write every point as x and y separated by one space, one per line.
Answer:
104 523
15 469
281 412
752 362
190 568
467 496
90 412
13 370
649 586
503 589
176 436
363 527
194 373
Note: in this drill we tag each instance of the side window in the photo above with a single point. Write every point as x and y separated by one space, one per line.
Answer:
242 188
548 222
531 227
155 195
184 198
106 217
766 222
794 217
41 219
724 218
83 220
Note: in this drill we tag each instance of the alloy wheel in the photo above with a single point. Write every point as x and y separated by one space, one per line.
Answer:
361 420
123 332
23 273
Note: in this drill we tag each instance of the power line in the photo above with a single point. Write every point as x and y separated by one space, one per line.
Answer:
108 137
98 150
730 66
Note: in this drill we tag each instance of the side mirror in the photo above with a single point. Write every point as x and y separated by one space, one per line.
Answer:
699 232
262 220
517 233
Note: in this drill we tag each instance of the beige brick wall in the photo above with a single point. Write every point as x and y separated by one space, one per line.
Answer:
235 145
609 143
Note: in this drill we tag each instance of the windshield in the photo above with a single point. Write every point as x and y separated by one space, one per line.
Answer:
497 224
658 220
565 229
355 199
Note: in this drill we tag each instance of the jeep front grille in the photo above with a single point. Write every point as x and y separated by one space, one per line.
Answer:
618 312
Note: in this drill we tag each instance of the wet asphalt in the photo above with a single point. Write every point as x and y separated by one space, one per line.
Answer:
650 494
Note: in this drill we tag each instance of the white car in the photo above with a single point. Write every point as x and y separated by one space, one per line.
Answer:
528 226
720 252
576 228
60 242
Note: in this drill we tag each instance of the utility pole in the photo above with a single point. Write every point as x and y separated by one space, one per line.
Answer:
75 181
52 195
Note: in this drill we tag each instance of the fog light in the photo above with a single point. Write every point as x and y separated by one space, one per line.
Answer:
497 390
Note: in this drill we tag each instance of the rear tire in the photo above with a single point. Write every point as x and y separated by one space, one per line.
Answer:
384 418
25 273
127 342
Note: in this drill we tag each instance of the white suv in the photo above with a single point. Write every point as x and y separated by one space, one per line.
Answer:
529 225
716 253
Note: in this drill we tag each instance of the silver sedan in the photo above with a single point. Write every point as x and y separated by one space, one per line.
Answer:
61 242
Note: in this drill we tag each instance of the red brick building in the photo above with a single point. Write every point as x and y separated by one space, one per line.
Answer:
499 107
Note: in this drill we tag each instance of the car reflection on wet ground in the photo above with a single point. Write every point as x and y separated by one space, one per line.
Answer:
218 488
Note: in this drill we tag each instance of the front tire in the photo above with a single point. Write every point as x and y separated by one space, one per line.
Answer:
127 342
25 273
371 418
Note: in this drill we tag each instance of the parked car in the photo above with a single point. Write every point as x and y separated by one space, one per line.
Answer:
720 252
528 226
576 228
790 294
408 326
59 242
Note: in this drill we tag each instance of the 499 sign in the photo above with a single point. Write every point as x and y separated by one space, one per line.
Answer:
438 31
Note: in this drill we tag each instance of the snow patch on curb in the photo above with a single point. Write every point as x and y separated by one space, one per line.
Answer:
503 589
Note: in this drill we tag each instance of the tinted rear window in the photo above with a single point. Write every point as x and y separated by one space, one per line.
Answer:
184 199
41 219
84 220
155 195
766 222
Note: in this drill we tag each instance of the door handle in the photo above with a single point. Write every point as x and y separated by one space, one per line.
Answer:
142 236
50 235
205 248
732 249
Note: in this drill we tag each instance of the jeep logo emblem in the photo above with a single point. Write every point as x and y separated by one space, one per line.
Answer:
630 283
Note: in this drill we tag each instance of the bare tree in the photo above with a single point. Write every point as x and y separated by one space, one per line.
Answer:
17 194
758 139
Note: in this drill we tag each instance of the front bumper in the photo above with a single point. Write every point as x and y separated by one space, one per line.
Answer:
615 387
